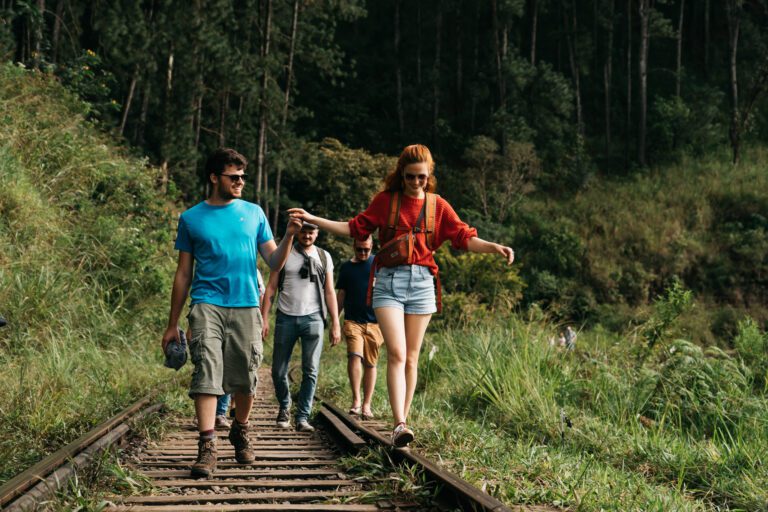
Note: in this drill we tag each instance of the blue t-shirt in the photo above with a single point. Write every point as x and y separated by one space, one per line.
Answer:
224 241
353 279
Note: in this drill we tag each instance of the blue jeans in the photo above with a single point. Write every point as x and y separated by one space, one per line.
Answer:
222 405
287 330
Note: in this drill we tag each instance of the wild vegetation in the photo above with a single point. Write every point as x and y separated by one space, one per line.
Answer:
84 271
596 138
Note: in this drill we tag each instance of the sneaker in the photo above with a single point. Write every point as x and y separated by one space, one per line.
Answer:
283 419
304 426
238 436
401 435
206 459
222 422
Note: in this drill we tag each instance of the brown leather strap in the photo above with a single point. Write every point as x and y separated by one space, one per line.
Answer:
371 278
438 292
431 200
394 218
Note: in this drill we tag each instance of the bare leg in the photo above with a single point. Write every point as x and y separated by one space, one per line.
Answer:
243 404
392 325
205 409
355 370
415 327
369 383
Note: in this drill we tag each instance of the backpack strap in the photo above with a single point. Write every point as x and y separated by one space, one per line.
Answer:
323 261
430 225
393 218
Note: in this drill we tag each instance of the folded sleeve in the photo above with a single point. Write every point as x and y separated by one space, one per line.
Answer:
371 219
452 228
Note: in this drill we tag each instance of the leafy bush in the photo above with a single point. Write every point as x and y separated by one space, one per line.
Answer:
699 390
752 346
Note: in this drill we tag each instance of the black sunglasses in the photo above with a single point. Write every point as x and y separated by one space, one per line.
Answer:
362 249
236 177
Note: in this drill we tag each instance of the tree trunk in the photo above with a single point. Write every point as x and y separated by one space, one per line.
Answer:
534 26
56 31
223 117
129 99
608 79
198 121
436 74
262 144
497 48
284 121
570 26
706 39
458 103
644 8
240 106
418 42
679 69
37 55
628 136
733 11
167 122
289 69
399 75
139 133
475 66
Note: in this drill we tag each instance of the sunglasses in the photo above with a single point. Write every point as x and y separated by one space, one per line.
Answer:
236 177
412 177
362 249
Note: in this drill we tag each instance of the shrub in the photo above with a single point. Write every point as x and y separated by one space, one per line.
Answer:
752 346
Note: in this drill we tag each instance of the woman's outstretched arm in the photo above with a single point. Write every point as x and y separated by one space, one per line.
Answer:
476 244
331 226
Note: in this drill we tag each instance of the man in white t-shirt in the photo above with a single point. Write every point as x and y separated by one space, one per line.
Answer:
306 297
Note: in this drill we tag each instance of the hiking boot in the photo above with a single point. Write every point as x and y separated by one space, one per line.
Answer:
238 436
206 459
283 419
401 435
222 422
304 426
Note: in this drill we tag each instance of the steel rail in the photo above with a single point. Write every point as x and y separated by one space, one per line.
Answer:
52 472
454 490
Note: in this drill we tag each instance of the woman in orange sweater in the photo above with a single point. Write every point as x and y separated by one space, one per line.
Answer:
403 296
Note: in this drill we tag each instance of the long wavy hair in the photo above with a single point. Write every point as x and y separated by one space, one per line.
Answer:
413 154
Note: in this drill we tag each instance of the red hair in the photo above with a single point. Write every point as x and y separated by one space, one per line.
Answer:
413 154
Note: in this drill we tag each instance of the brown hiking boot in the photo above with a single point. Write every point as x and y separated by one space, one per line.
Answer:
206 459
238 436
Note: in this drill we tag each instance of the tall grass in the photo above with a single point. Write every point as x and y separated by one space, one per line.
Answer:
85 264
593 428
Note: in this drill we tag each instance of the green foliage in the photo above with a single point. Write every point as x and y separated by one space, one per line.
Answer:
88 78
666 310
752 346
84 272
699 391
486 276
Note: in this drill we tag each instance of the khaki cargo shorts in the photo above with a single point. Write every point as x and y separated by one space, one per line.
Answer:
363 341
226 349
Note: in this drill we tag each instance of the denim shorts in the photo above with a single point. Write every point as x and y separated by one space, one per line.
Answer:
410 288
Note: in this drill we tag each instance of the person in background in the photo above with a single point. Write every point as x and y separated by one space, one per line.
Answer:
360 328
305 298
403 295
219 240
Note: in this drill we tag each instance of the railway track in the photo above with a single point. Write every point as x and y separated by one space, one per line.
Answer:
292 470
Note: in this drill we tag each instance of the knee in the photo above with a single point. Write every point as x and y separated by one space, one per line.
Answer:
412 361
396 357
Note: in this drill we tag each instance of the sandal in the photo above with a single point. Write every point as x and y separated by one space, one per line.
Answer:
367 415
401 435
355 411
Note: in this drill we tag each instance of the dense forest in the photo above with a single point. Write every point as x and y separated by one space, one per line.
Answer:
526 104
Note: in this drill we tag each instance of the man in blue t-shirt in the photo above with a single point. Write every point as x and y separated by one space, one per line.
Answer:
360 327
219 239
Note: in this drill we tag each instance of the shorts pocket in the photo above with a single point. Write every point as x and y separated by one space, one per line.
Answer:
256 356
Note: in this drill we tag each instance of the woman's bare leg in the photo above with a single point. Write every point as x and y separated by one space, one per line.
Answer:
415 327
392 325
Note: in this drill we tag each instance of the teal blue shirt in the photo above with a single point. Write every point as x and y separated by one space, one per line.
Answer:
224 242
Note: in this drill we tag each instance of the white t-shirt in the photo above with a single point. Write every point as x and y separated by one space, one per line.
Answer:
299 296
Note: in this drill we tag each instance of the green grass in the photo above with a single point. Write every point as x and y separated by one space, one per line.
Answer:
495 401
84 272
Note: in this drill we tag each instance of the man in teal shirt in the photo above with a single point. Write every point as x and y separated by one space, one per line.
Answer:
218 241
